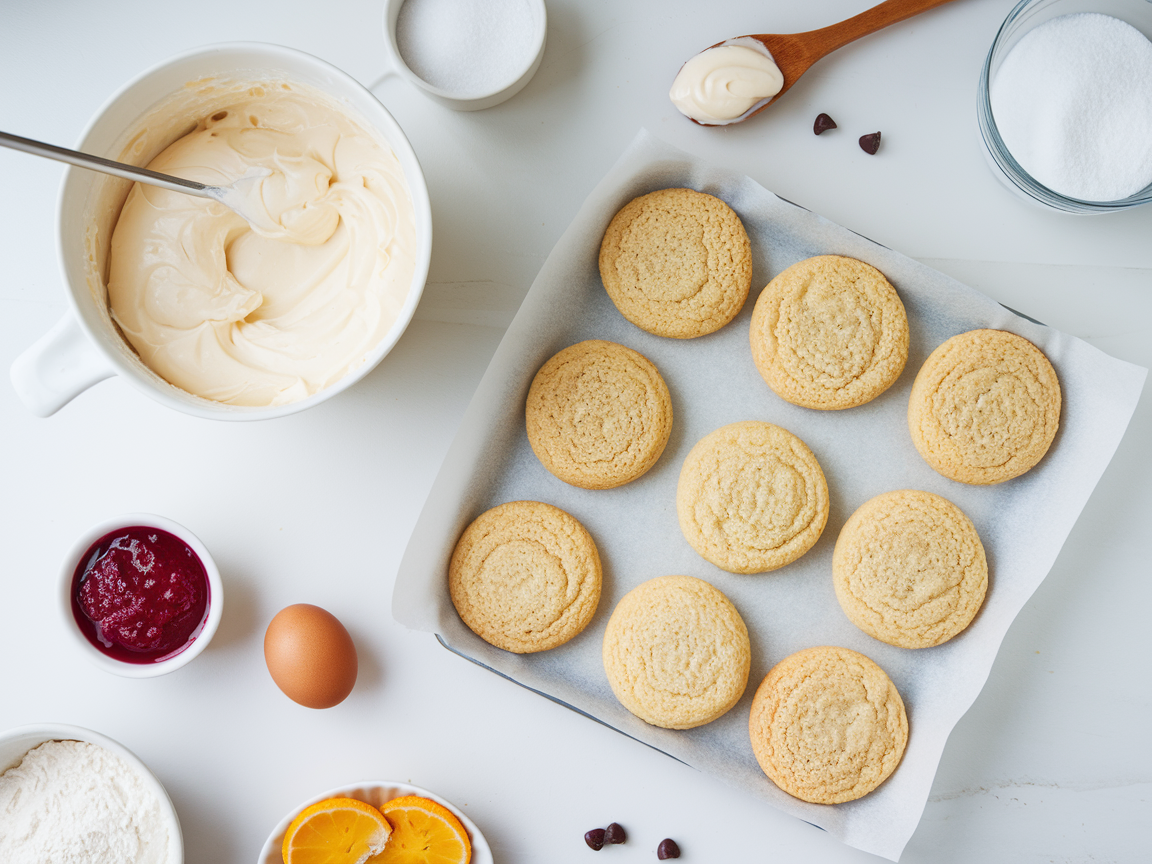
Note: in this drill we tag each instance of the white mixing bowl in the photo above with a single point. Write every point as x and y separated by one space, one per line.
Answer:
85 347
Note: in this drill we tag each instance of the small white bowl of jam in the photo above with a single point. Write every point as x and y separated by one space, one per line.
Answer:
140 595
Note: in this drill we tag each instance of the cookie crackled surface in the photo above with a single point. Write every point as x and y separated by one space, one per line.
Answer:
525 576
909 569
598 414
677 263
676 652
829 333
985 407
751 497
827 725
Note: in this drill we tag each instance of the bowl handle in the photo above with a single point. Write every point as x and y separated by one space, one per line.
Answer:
58 367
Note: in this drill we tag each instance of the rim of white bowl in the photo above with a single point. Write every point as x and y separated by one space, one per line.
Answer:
94 654
270 852
35 734
197 406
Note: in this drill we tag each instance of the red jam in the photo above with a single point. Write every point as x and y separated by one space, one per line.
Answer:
140 595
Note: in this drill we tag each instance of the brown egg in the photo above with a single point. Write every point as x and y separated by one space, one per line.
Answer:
310 656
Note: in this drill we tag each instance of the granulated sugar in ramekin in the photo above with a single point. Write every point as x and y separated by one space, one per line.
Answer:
466 47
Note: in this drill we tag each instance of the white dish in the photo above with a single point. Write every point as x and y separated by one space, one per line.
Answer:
374 792
533 53
140 670
14 743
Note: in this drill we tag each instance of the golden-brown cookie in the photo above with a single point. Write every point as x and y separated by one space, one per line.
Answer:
598 414
525 576
909 569
751 497
827 725
829 333
676 652
677 262
985 407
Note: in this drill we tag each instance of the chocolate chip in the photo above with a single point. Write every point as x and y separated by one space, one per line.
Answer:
615 833
823 124
870 143
595 839
667 849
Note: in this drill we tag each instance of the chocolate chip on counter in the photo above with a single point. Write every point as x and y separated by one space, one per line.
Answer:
870 143
615 833
595 839
667 849
823 124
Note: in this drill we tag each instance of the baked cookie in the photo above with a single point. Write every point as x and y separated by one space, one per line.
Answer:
598 415
677 263
909 569
985 407
525 576
676 652
751 497
829 333
827 725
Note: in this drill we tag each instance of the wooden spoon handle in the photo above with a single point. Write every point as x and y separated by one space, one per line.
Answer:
877 18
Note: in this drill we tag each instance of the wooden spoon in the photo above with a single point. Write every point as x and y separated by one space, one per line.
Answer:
794 53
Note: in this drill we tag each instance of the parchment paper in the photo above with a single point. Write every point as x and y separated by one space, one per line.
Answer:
864 451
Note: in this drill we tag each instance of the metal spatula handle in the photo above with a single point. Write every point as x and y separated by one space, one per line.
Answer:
109 166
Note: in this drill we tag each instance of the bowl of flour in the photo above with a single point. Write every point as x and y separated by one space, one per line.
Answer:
1065 104
72 796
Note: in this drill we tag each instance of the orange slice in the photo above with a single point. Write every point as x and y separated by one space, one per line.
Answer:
336 831
423 832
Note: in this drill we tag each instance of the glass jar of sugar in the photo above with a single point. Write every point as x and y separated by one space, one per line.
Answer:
1065 104
466 54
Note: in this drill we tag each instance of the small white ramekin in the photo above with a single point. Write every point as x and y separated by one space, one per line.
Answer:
376 793
94 654
14 743
533 54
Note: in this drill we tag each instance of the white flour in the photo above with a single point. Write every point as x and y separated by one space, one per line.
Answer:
70 802
1073 103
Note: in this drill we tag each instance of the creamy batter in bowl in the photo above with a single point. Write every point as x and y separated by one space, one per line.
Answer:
182 96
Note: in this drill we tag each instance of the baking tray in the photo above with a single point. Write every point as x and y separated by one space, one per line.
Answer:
864 451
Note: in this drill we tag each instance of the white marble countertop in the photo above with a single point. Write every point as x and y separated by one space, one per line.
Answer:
1052 763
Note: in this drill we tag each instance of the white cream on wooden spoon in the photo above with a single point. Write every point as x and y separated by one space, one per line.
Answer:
737 78
723 83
